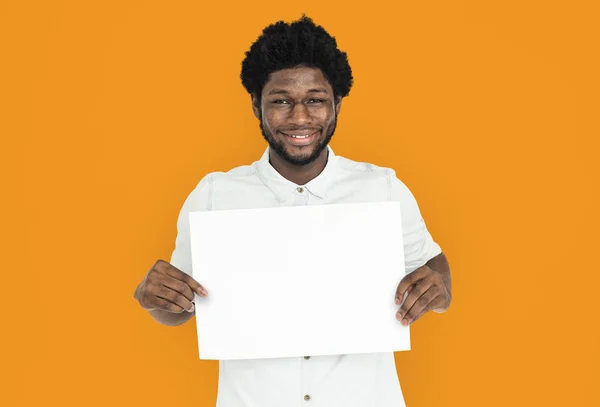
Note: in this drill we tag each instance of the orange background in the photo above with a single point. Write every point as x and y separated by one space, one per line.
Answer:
112 111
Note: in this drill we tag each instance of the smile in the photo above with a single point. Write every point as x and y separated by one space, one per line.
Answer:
301 138
301 135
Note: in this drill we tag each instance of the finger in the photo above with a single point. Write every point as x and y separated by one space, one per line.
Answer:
432 305
406 293
409 280
150 301
174 272
179 286
421 306
196 286
166 305
412 298
167 294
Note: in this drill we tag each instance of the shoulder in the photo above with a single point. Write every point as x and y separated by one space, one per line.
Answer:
200 196
239 173
370 170
361 167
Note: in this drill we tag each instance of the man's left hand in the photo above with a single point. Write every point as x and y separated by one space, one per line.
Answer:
426 292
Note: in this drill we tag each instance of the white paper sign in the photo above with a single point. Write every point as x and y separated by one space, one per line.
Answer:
295 281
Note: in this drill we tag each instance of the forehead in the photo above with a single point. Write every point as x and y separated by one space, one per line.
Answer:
297 79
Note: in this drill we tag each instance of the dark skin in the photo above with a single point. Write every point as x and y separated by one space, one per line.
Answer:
298 112
167 294
429 288
297 102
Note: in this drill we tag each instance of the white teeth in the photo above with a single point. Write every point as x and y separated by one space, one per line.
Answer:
305 136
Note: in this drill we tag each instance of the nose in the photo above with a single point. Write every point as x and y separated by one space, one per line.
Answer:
299 115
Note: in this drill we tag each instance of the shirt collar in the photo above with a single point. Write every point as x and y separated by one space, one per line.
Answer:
283 188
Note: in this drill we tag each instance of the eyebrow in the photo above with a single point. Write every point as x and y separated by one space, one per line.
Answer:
278 92
317 90
285 92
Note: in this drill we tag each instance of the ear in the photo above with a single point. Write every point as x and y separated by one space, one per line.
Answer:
255 105
338 105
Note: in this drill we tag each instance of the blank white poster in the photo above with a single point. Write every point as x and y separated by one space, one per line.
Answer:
296 281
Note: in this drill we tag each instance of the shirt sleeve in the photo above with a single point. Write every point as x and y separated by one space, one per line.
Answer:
419 246
198 200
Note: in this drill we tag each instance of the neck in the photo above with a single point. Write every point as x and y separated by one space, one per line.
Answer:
299 174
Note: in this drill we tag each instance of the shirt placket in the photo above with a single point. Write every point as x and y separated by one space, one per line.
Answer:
308 399
300 196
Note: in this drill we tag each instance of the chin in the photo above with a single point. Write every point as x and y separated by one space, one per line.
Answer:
300 153
305 157
300 159
295 155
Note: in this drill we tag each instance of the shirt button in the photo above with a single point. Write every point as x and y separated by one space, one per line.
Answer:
306 357
307 397
300 189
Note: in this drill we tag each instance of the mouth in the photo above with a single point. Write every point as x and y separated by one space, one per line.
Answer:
301 137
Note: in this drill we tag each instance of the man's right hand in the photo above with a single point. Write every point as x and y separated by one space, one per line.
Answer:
166 288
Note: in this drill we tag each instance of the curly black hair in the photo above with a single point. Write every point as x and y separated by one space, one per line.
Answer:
301 43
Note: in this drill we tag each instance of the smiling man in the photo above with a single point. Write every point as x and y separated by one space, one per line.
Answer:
297 78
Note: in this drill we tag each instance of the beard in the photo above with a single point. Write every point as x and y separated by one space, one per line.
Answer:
279 146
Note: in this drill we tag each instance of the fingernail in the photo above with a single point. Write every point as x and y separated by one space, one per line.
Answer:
405 322
192 308
204 292
397 301
398 316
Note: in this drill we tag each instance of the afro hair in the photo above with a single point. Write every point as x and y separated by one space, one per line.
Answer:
301 43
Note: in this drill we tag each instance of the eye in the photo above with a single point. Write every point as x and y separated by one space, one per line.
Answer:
280 101
313 101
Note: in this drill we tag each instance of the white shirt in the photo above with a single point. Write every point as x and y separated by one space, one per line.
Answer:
363 380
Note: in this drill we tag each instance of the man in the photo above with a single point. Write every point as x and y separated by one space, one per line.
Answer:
297 78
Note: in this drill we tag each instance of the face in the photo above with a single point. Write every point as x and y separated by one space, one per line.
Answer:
297 114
